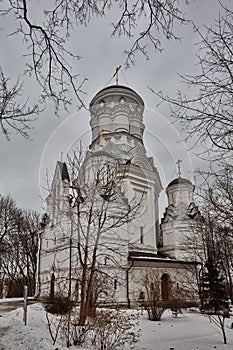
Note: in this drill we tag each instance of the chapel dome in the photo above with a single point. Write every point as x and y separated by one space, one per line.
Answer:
180 190
179 181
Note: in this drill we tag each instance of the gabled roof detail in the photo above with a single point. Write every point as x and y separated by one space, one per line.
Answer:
61 172
112 148
64 172
180 212
136 155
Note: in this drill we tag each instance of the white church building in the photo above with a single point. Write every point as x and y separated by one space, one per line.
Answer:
126 247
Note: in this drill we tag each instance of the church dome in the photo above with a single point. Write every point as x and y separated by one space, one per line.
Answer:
117 90
117 114
179 181
180 190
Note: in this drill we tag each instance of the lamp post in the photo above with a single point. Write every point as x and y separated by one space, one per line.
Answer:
70 252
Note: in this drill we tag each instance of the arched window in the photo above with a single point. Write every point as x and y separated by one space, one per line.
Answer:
165 286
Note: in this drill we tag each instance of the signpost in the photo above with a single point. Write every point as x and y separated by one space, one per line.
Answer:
25 294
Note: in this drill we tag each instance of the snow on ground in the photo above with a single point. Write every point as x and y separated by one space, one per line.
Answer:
18 336
190 331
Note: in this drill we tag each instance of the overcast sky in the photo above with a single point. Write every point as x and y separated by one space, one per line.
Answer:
24 163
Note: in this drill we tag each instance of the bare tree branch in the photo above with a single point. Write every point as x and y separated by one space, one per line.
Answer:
51 63
207 114
13 115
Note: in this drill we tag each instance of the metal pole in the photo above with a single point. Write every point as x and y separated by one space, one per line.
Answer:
38 281
70 256
25 305
70 269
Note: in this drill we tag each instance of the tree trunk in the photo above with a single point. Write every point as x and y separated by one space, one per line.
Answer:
83 316
222 326
51 294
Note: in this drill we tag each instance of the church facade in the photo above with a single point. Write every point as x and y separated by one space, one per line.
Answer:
131 238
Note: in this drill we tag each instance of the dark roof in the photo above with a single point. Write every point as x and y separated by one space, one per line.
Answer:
143 257
180 180
159 258
116 87
64 171
136 254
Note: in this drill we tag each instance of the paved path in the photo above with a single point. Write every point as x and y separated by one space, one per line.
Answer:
9 306
12 305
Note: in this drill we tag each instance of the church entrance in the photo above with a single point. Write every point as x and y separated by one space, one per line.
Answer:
165 279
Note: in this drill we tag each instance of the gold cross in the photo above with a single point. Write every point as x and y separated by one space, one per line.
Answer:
178 163
116 74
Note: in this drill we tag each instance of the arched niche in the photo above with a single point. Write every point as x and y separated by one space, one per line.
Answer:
165 286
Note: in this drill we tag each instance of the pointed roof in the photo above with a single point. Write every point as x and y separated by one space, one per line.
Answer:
63 170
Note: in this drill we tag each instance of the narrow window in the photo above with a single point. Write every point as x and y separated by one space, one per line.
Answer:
165 284
115 284
141 296
141 235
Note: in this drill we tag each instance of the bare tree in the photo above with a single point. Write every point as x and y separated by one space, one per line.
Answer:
212 244
213 291
205 113
214 226
49 59
156 301
217 190
14 116
153 302
92 244
18 244
100 213
7 212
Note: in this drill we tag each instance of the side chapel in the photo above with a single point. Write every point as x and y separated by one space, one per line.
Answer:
116 121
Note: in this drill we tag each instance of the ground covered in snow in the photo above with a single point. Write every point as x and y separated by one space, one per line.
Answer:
189 331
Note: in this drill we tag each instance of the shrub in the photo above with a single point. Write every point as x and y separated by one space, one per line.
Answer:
60 305
107 330
155 309
112 329
177 304
153 303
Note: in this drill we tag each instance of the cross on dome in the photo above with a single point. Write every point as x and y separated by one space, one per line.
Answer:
116 74
178 164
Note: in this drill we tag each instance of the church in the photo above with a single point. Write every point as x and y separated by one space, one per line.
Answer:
108 204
